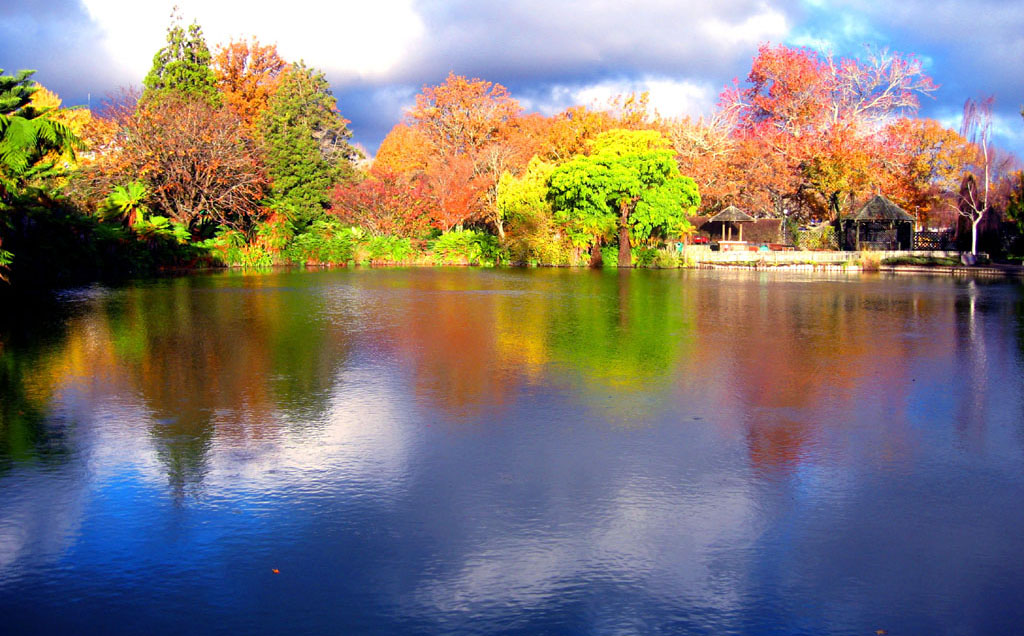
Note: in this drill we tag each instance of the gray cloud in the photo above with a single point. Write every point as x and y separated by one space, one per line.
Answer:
555 42
549 51
59 40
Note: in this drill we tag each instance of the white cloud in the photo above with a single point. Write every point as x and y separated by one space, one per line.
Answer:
669 97
354 40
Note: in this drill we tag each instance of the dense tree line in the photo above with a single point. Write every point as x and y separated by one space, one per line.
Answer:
237 156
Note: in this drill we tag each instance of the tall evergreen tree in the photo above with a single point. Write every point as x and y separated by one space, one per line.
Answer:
305 142
183 65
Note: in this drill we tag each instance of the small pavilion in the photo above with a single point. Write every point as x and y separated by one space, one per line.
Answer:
730 217
883 225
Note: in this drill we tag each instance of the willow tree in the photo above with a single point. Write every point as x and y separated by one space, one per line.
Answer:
629 185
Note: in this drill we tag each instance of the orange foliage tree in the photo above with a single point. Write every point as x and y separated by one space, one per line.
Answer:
247 75
925 162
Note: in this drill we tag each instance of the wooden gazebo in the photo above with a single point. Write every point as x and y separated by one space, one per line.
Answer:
731 216
883 225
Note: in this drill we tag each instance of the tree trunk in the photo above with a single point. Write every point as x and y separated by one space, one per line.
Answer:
595 255
625 249
974 234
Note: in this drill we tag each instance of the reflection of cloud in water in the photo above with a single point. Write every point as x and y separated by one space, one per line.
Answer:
648 538
360 441
42 510
38 522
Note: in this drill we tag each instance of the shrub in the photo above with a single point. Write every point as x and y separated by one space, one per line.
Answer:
468 247
822 237
666 258
644 256
324 243
389 249
610 256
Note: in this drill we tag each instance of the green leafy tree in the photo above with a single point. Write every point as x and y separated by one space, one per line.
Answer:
183 65
630 184
525 211
305 142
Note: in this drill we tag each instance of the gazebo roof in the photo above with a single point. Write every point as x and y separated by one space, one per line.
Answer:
731 214
880 208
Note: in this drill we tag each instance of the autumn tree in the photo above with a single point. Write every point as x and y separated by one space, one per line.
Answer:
527 213
385 204
183 65
461 115
305 141
247 75
196 160
471 127
825 115
405 151
455 191
630 184
570 132
923 162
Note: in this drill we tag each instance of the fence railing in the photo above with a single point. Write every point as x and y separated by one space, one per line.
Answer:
944 240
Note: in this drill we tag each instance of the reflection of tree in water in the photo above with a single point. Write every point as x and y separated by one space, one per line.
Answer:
444 328
623 333
788 350
221 360
472 340
972 375
29 330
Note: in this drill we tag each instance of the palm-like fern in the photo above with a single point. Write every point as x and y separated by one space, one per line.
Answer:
27 134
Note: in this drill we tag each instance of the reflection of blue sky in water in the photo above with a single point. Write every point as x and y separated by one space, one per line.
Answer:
736 505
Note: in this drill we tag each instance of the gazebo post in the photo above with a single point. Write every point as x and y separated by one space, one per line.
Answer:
741 233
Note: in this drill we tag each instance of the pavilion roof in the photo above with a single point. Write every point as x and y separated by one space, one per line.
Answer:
880 208
731 214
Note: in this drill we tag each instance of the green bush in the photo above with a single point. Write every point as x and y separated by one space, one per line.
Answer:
389 249
610 256
666 258
468 247
822 237
921 260
644 256
326 242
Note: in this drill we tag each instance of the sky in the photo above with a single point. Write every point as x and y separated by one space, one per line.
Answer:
549 53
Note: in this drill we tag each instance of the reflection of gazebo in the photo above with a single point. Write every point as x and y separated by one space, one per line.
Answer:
731 216
883 225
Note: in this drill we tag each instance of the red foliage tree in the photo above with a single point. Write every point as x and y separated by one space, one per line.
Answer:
385 203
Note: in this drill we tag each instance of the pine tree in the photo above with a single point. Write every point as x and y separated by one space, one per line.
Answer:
305 141
183 65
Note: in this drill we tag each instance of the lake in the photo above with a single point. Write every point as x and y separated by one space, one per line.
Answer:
424 451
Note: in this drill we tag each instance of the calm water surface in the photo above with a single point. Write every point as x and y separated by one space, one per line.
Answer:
563 452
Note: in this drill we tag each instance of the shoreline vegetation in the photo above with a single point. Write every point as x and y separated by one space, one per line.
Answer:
238 158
